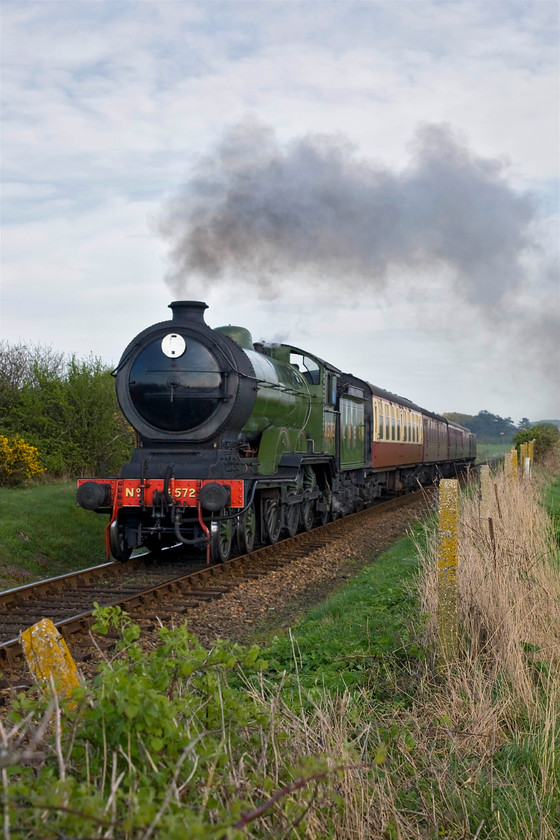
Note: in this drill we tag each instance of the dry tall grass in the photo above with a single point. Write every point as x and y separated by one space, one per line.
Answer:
475 754
508 586
503 689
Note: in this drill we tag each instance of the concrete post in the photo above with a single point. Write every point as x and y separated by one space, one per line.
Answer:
447 611
48 657
514 464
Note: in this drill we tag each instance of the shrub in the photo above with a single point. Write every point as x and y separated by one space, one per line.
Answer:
545 435
19 461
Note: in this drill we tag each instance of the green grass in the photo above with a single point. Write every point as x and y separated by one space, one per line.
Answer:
552 504
43 533
348 641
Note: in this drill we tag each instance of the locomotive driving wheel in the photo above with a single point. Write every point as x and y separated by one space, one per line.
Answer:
273 519
307 514
221 535
247 530
307 508
292 518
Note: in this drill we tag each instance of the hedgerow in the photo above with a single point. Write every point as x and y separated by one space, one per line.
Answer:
66 408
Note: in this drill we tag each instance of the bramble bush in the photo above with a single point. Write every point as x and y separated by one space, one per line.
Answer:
19 461
170 743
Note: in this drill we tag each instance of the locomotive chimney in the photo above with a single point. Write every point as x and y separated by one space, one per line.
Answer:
188 311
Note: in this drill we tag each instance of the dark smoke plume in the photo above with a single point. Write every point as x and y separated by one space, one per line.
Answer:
256 209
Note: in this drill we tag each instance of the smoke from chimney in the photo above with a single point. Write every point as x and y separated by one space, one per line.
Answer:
256 210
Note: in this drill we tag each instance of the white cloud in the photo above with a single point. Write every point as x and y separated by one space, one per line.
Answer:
107 105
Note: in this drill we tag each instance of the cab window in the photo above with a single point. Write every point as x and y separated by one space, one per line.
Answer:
307 367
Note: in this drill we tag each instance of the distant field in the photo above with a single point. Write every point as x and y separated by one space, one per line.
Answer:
484 451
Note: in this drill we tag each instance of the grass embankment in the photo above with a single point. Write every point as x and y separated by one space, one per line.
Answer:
43 533
349 730
465 750
359 634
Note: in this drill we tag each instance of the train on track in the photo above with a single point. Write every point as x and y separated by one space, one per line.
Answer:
243 442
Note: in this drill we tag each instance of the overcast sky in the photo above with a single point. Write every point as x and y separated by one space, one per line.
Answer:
376 182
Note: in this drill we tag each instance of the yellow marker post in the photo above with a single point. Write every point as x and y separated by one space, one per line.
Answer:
531 450
513 456
447 611
48 657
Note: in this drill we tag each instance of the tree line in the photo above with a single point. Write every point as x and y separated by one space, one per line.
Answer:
63 407
491 428
488 427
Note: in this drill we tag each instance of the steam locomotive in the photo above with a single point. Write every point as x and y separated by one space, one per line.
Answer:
242 441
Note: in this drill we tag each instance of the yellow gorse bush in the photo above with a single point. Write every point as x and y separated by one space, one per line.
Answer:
19 460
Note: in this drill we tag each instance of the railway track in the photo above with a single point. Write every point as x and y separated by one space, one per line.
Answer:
150 591
69 598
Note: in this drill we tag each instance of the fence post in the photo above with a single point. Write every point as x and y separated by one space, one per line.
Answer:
447 612
484 492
